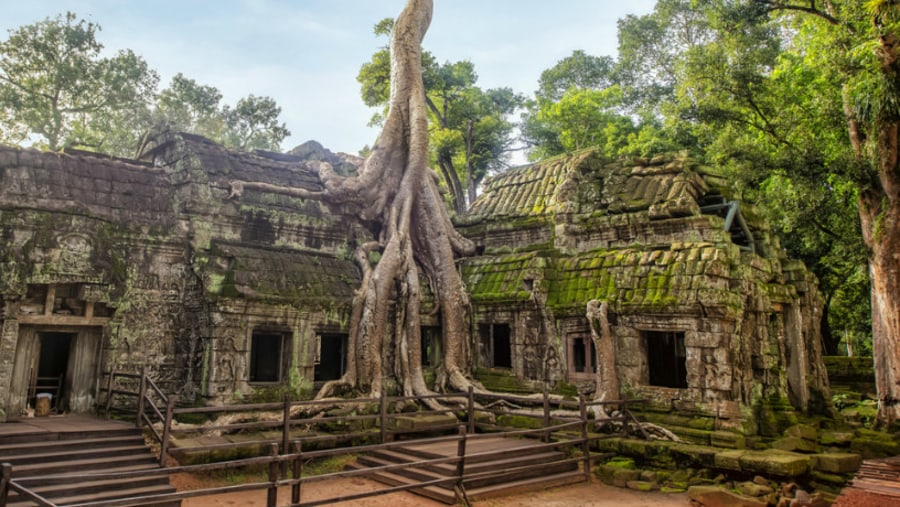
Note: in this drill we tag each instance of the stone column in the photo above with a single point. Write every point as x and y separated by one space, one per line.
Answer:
9 335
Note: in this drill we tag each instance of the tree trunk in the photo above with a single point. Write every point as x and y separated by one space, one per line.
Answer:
607 379
448 171
880 215
396 188
879 211
830 342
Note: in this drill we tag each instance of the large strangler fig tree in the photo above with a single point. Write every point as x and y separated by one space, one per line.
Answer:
396 189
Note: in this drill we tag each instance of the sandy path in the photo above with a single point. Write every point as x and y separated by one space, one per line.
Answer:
594 494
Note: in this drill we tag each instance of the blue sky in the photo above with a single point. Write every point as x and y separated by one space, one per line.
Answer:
306 53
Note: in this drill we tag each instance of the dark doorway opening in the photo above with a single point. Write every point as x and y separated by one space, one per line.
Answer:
431 345
496 341
266 357
666 359
583 355
330 356
53 362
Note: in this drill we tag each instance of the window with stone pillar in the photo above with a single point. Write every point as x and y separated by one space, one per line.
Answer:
582 357
666 358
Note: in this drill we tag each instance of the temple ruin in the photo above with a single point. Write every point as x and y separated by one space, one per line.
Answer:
153 263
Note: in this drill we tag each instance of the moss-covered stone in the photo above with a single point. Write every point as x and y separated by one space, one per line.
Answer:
803 431
642 485
729 460
728 439
775 462
795 444
836 463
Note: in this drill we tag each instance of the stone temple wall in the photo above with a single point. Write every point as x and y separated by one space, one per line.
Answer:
678 263
152 262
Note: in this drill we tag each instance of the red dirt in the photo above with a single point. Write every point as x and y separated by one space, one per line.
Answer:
593 494
854 497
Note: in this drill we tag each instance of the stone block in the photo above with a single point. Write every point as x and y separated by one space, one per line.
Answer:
694 454
804 431
729 460
642 485
728 439
795 444
713 496
836 462
775 462
837 438
622 476
753 489
874 447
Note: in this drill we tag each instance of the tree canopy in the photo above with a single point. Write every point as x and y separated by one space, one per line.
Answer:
57 90
471 129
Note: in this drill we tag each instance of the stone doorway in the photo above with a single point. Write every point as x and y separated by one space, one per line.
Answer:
62 361
52 363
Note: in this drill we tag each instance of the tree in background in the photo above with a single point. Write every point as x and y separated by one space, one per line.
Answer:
55 85
854 47
57 89
797 101
582 102
191 107
252 124
471 133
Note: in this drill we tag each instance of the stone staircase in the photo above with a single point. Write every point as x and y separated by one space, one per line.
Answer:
38 455
503 456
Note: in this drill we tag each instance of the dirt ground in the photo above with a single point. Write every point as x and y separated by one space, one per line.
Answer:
594 494
853 497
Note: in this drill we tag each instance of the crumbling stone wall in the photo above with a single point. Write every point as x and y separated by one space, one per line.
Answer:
183 273
179 275
661 243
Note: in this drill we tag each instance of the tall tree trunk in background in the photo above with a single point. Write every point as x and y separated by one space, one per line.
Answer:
879 212
880 216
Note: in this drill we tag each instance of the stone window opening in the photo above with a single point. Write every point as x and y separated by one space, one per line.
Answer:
582 357
666 359
268 356
331 356
496 341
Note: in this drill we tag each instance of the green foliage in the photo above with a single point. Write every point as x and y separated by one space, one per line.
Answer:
57 87
55 84
760 98
471 130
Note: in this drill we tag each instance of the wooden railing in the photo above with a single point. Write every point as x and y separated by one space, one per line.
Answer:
560 423
153 406
156 412
571 434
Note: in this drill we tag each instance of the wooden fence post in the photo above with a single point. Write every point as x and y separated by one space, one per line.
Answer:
286 432
272 494
585 445
5 477
297 465
109 389
142 393
382 416
461 463
546 400
470 402
167 428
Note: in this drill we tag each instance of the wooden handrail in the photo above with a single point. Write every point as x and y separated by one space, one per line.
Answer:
571 432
